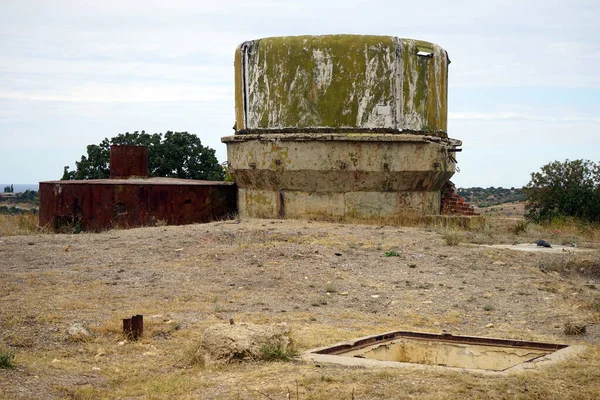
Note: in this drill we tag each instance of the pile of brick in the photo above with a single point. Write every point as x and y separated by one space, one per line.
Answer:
453 203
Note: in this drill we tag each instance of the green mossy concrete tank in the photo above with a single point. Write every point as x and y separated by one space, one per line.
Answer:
340 125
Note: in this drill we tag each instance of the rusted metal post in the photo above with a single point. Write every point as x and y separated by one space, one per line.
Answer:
133 328
137 325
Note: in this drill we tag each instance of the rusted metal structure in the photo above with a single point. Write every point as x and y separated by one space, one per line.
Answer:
340 125
99 204
133 328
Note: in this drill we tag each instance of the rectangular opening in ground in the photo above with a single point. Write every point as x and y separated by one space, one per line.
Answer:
445 350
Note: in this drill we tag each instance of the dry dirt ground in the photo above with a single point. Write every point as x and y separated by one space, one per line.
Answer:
329 281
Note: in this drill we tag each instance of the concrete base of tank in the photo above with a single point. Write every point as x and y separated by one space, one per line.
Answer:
322 175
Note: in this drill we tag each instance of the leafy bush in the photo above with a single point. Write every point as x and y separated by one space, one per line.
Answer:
564 189
176 155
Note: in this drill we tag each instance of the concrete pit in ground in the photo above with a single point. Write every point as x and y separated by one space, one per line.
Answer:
425 350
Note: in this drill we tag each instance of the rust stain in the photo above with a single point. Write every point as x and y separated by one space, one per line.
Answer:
128 161
97 205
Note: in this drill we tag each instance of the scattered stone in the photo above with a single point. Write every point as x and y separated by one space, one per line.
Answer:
338 254
122 343
375 296
54 361
100 353
343 293
490 325
78 332
225 343
498 263
543 243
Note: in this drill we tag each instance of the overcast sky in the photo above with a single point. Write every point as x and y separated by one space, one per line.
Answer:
524 83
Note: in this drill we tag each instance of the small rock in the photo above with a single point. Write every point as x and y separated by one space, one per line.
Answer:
122 343
375 296
101 352
498 263
78 331
343 293
176 250
95 369
54 361
490 325
338 254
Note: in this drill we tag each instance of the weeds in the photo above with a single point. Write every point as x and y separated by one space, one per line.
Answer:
21 224
6 359
574 330
277 352
488 307
392 253
330 288
520 227
452 237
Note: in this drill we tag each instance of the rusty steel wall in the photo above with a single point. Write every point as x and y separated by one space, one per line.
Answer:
127 161
97 205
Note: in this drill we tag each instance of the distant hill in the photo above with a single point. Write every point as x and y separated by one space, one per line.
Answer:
485 197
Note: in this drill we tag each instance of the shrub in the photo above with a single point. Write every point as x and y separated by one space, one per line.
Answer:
564 189
277 352
520 227
452 238
6 359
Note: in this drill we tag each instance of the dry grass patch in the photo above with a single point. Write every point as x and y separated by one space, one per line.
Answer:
21 224
186 278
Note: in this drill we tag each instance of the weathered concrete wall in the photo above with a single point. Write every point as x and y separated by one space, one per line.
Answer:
341 81
340 125
338 174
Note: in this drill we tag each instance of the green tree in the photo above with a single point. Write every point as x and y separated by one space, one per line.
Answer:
9 189
176 155
560 189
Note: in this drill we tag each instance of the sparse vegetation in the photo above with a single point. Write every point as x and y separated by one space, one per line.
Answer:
485 197
277 352
392 253
571 329
520 227
452 237
297 260
6 359
19 224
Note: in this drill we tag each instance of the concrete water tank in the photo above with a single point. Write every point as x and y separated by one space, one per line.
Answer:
340 125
